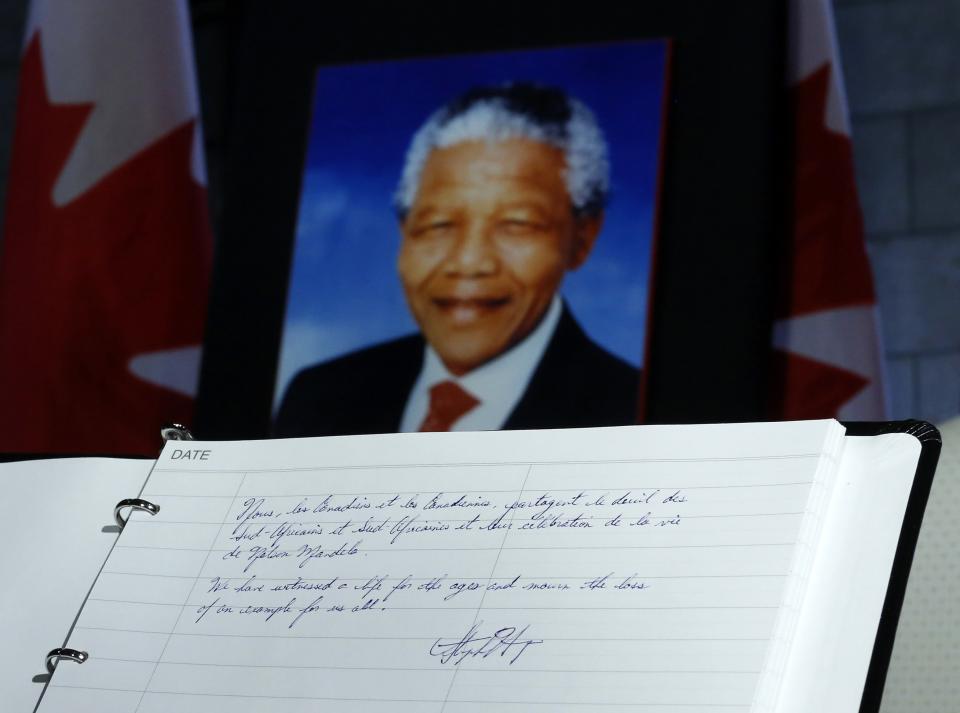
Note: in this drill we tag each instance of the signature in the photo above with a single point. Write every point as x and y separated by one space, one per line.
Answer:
506 641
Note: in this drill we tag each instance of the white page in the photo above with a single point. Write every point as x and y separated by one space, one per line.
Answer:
55 511
848 584
541 607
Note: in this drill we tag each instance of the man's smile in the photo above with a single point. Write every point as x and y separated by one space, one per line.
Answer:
463 310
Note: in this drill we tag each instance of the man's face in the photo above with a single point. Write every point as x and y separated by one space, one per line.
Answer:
485 246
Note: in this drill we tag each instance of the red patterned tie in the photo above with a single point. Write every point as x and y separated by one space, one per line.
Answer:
448 402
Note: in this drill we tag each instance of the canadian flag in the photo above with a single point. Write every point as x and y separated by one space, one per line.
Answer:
826 338
107 243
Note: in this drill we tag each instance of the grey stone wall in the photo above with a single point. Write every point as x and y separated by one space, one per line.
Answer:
902 65
901 61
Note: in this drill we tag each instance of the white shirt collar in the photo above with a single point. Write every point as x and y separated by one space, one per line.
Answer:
498 384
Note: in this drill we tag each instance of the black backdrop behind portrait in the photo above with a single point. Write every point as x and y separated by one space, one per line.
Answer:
722 184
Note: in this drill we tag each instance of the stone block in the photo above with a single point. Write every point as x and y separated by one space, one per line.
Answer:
938 386
935 139
901 55
900 387
918 285
880 153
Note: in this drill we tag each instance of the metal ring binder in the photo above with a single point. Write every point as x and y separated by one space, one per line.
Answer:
53 658
176 432
133 504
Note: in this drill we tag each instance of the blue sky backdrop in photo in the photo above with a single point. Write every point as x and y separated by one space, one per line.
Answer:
344 291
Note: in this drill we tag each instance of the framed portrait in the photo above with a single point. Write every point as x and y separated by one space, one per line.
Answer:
313 266
345 294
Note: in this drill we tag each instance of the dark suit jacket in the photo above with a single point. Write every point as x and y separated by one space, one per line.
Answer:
576 384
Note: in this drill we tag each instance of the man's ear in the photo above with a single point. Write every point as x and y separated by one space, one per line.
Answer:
586 230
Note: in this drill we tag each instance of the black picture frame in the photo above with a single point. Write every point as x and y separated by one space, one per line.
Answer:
722 202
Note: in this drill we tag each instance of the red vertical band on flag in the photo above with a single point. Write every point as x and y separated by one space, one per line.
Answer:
829 259
118 271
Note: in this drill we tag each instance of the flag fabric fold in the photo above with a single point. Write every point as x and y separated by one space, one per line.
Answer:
826 342
107 242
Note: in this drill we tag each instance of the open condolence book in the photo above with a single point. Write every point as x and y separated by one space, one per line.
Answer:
661 568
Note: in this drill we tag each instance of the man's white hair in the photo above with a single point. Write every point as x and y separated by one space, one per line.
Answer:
520 110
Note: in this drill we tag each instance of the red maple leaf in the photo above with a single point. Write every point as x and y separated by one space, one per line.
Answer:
119 271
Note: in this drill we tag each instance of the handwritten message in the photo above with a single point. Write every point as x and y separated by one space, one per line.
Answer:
317 534
638 568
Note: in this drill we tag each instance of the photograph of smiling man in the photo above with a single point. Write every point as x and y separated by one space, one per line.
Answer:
504 190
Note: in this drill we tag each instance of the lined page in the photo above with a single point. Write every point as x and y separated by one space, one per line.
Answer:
585 570
59 514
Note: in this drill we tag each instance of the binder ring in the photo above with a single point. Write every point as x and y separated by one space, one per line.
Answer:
53 658
133 504
175 432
